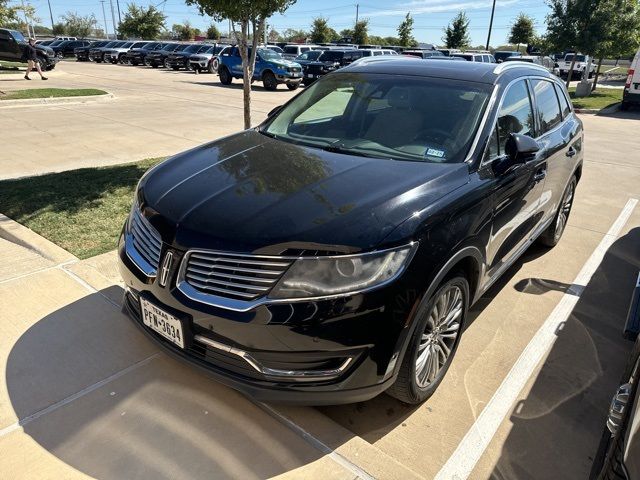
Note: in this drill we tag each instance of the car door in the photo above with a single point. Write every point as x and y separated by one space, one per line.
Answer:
558 134
517 192
9 47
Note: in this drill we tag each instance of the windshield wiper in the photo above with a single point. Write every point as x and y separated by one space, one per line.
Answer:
345 151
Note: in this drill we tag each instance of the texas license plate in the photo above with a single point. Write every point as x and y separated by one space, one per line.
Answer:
160 321
310 75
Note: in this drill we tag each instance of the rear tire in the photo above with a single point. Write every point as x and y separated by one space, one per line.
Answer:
293 86
269 81
552 235
214 65
434 341
176 68
225 76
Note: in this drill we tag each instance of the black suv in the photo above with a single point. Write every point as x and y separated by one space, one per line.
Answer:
156 58
180 59
82 53
68 47
136 56
12 45
329 61
333 252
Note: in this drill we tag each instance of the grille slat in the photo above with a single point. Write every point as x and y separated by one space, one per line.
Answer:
236 276
146 240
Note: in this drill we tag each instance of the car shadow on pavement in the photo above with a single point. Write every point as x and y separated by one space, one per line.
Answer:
556 428
90 389
632 114
376 418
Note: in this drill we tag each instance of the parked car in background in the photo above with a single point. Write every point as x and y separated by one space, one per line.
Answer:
68 47
631 93
546 62
618 455
448 51
136 56
423 53
209 59
119 54
275 48
580 65
96 54
156 58
82 53
13 44
44 43
289 52
271 69
501 55
475 57
389 51
63 38
180 59
329 61
371 52
334 251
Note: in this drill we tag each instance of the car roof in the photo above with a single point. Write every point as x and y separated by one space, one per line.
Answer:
471 71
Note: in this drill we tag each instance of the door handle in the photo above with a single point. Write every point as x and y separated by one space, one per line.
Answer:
571 152
540 175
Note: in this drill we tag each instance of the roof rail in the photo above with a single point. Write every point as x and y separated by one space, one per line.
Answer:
516 64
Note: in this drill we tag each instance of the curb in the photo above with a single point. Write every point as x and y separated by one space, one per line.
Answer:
28 102
594 111
19 234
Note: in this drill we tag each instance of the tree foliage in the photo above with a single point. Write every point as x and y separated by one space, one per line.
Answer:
456 35
59 28
522 30
140 22
80 26
405 32
361 32
295 36
248 18
274 36
212 32
185 31
7 12
320 30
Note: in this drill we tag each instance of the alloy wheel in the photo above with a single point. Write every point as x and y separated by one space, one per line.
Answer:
439 336
565 209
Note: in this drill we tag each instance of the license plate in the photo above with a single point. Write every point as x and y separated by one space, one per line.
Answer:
160 321
309 75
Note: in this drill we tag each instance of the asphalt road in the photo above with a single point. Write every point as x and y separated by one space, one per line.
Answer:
84 394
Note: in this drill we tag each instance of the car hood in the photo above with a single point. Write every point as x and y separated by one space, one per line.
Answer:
201 56
252 193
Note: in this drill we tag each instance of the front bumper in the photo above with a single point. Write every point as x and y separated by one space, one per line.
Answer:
365 329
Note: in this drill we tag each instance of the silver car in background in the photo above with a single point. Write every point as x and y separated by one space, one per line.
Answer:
207 61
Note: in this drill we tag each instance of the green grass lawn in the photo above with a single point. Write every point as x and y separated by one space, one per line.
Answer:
12 67
51 92
602 97
615 71
80 210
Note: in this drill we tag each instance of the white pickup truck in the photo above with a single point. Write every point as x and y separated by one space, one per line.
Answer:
581 64
631 93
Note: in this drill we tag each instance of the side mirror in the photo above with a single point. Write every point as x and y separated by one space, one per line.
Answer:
518 149
274 111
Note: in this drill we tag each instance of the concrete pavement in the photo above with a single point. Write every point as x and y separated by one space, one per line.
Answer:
156 112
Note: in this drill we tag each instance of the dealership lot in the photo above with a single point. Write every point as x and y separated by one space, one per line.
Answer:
86 394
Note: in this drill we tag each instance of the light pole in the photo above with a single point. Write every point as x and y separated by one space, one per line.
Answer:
357 11
50 13
493 9
104 15
113 18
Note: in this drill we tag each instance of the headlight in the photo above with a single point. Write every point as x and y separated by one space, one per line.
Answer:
319 277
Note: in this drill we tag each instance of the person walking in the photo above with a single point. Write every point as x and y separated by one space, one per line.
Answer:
32 59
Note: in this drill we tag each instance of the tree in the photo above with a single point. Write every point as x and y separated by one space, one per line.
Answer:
274 36
456 35
248 17
184 31
42 30
7 13
522 30
140 22
59 29
320 31
361 32
295 36
395 41
346 33
212 32
405 32
79 26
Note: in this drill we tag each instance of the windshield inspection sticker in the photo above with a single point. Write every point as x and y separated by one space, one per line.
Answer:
432 152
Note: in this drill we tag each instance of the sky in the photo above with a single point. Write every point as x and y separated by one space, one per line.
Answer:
430 16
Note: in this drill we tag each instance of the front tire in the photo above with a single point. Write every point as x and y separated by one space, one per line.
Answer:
552 235
434 342
225 76
293 86
269 81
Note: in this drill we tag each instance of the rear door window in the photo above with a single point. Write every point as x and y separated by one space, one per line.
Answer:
547 105
564 103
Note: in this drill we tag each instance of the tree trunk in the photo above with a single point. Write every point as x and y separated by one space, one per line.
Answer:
597 75
570 73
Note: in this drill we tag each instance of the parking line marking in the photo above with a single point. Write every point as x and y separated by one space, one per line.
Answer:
318 444
469 451
61 403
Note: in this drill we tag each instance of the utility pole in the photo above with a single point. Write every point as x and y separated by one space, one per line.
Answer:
26 20
113 18
104 15
119 17
493 9
358 10
50 13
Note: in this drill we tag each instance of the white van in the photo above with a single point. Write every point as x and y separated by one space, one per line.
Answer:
631 93
289 52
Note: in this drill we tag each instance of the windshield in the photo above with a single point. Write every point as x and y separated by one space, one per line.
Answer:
192 48
267 54
385 116
18 36
180 48
579 58
331 56
126 45
310 55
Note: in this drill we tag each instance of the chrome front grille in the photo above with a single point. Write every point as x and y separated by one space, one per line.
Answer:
146 242
235 276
